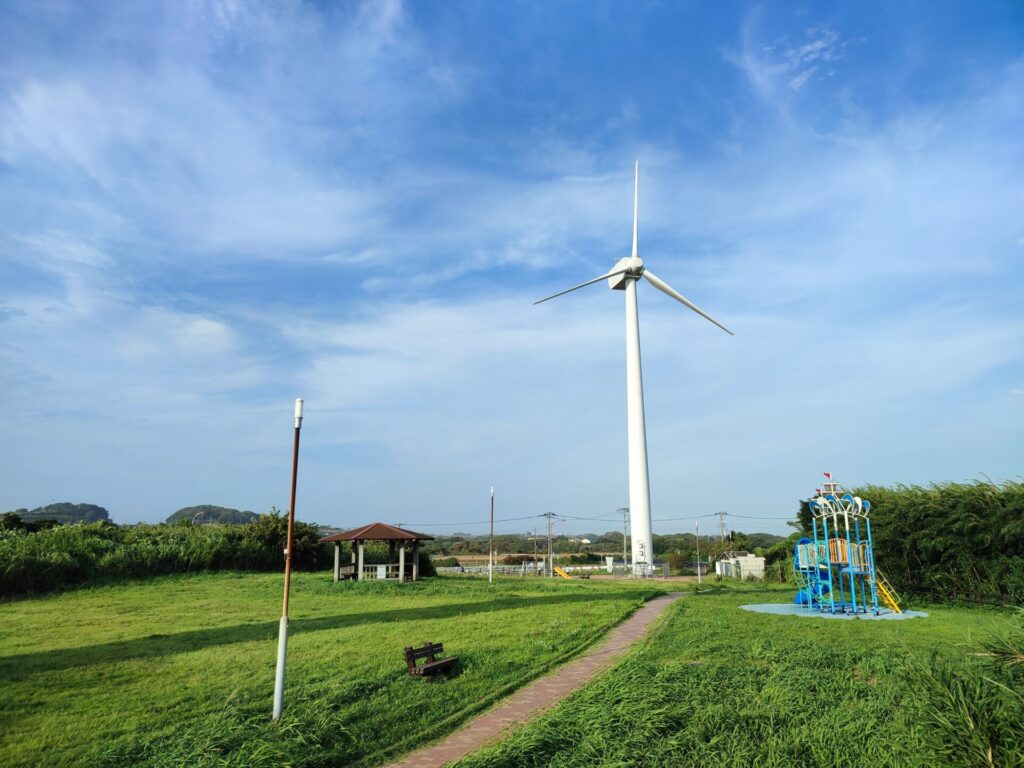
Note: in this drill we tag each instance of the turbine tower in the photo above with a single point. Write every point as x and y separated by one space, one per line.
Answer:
623 277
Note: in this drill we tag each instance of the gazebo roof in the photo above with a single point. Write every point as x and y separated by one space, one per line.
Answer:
377 532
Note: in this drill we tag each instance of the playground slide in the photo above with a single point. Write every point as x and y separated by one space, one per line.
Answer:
562 573
887 593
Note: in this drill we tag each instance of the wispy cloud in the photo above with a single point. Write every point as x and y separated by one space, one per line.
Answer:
789 61
206 215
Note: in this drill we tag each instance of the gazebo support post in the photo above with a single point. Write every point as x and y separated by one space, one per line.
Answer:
337 561
391 553
416 560
359 568
401 561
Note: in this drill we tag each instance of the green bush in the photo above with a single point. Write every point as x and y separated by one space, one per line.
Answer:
585 558
426 566
45 560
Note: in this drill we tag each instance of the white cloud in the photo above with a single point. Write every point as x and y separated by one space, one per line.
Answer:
159 332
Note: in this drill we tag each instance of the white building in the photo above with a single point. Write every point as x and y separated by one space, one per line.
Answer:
740 565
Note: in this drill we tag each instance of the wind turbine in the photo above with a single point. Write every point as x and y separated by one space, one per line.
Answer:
623 277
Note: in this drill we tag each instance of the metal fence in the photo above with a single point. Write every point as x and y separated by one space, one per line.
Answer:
538 569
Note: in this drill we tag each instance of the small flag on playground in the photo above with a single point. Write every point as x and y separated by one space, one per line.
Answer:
828 475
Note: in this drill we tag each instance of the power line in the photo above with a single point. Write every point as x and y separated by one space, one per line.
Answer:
673 519
751 517
474 522
602 519
597 519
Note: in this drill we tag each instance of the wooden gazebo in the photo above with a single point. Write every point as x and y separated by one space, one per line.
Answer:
397 539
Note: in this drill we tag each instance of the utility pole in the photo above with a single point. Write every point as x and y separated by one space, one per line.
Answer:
535 550
282 631
551 551
490 544
721 524
625 527
697 526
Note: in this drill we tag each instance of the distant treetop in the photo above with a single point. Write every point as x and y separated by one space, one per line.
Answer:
211 513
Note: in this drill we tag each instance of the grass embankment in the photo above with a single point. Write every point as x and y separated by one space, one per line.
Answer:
178 670
720 686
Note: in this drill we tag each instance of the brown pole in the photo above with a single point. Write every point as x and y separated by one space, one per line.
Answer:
291 519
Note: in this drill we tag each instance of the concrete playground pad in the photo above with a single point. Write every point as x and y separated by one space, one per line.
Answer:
791 609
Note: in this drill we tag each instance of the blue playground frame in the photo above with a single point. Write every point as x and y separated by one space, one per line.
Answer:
835 571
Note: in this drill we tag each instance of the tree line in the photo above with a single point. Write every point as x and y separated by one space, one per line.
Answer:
53 557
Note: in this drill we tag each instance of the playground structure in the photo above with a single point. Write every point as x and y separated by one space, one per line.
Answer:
835 571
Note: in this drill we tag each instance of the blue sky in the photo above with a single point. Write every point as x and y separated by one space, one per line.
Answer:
209 209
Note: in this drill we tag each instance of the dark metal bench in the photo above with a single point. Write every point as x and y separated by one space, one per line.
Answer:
431 664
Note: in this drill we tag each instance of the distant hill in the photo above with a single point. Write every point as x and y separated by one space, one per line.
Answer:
210 513
64 512
758 540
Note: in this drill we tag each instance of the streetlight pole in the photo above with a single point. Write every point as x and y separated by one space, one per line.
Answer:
282 632
490 544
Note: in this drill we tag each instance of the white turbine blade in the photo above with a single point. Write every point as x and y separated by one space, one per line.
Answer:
636 202
583 285
665 288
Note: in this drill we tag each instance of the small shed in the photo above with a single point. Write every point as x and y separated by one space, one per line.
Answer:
400 567
740 565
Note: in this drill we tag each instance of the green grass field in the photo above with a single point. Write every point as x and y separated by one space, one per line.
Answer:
178 671
725 687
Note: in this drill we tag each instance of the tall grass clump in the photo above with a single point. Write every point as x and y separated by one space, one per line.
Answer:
950 541
44 560
975 712
310 733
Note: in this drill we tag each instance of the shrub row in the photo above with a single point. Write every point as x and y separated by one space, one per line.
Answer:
40 561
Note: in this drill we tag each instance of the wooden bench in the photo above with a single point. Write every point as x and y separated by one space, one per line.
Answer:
431 664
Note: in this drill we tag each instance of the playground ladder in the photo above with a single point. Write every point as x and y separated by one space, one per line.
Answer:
887 593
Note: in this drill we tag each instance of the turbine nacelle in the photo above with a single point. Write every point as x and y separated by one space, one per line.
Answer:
626 268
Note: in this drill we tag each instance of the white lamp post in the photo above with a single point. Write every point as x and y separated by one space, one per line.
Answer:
282 632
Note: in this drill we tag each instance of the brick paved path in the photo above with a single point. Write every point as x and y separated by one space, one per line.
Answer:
541 694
